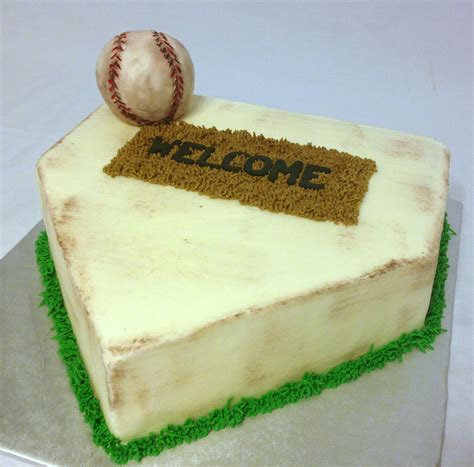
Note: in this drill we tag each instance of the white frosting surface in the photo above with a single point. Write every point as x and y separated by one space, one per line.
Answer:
156 263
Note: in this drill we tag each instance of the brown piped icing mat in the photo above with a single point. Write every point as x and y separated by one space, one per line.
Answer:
276 175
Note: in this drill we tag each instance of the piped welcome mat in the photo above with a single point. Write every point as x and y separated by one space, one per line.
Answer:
234 412
277 175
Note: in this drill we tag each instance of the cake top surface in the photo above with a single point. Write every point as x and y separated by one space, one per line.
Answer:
154 263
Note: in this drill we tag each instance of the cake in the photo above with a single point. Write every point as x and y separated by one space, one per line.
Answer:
184 298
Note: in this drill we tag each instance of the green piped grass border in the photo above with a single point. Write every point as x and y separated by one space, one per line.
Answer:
232 414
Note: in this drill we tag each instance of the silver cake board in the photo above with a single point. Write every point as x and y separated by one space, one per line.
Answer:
393 416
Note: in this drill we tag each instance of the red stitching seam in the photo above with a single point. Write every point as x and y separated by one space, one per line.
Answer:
114 70
175 71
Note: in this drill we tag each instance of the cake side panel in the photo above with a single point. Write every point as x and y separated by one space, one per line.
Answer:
89 346
261 349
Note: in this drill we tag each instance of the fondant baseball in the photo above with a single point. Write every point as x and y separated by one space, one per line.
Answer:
145 77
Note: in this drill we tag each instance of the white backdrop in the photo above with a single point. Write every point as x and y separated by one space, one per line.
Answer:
401 65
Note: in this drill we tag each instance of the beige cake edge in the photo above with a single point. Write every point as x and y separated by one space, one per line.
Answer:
259 349
91 350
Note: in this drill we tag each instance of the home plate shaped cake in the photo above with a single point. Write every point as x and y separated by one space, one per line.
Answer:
200 263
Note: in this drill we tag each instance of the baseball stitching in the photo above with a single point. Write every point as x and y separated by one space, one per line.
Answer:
114 71
176 75
175 71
